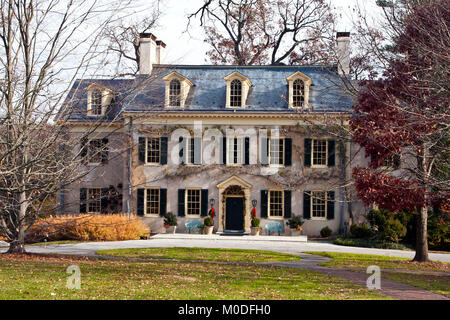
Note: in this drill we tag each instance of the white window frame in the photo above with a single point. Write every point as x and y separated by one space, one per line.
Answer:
277 165
241 141
307 83
324 218
90 163
186 197
282 205
146 204
146 152
179 96
107 96
188 147
245 87
185 87
326 154
88 200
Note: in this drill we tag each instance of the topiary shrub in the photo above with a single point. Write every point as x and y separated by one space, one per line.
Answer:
361 231
256 222
389 226
326 232
295 222
208 222
170 219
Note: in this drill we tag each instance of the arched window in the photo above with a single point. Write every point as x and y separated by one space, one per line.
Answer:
96 102
175 93
298 93
236 93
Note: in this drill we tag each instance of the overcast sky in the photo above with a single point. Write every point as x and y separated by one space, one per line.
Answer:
183 48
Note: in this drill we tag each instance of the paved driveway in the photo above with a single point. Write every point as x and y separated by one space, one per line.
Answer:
278 244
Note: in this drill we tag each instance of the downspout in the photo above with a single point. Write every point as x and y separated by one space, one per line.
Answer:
342 178
130 167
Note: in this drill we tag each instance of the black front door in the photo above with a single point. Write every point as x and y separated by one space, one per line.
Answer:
235 214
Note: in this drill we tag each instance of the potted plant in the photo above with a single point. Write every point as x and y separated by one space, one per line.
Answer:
255 222
208 225
296 225
170 222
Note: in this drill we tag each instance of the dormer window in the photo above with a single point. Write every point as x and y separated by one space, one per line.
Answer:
177 90
238 87
175 93
99 98
299 85
236 94
298 94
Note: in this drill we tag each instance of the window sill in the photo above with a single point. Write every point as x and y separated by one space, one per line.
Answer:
319 167
275 218
152 216
153 165
318 219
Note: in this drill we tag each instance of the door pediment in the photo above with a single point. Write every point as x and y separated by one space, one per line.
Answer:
234 181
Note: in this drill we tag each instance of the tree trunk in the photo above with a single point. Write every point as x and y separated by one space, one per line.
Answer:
16 247
422 236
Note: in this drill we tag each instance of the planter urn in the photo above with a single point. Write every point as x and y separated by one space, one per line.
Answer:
171 229
209 230
296 232
254 231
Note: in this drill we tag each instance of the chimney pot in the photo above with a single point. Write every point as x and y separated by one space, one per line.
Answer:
343 52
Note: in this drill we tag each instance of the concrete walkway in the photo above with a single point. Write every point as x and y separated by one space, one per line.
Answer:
273 243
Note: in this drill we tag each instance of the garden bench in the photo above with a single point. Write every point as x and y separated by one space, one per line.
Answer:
192 225
274 226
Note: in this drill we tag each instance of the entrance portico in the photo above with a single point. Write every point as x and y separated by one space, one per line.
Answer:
234 205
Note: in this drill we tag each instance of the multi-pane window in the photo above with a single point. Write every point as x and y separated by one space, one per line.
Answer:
319 204
319 152
95 151
298 93
96 102
276 150
153 150
152 201
175 93
193 202
94 200
276 203
236 93
235 150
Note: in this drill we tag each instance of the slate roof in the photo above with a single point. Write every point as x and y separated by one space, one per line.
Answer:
268 94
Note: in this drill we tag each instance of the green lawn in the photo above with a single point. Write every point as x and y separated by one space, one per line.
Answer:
438 283
45 278
228 255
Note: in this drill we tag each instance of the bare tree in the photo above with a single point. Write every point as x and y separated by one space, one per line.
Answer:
249 32
45 45
123 38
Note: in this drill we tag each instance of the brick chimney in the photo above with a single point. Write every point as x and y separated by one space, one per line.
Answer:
151 51
343 52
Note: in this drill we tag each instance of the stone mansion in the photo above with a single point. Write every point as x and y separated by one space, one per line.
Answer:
185 138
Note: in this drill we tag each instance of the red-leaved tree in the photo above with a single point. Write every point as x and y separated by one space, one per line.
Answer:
407 112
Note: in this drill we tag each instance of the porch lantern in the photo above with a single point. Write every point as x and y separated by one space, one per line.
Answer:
254 203
211 202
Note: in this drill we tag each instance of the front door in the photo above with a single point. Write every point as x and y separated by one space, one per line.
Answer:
235 214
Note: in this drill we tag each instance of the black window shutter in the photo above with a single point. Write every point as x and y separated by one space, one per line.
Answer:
264 204
247 151
140 201
197 150
397 161
204 209
162 202
142 154
331 153
182 152
83 198
223 159
287 204
308 152
164 150
104 200
307 205
105 150
264 151
84 150
330 205
181 205
288 152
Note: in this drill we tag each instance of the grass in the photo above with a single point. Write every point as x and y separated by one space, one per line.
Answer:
227 255
366 243
362 261
32 277
397 269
